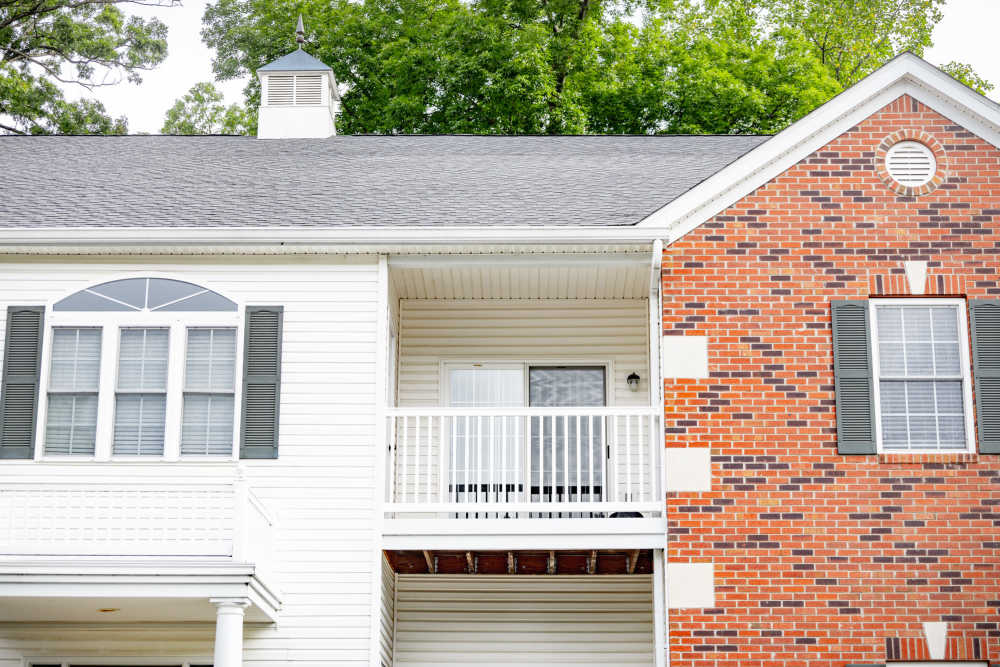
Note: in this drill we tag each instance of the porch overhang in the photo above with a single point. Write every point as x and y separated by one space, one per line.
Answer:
50 590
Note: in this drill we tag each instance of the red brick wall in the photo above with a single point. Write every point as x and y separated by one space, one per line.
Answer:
823 559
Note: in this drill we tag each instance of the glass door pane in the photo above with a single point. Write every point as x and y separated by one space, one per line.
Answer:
486 453
567 452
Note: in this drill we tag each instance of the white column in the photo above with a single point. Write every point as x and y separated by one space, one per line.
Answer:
229 631
659 609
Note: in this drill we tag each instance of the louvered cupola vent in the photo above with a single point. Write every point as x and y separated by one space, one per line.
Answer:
910 163
299 98
294 89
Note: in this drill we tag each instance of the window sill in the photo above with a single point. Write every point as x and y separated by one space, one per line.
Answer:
928 457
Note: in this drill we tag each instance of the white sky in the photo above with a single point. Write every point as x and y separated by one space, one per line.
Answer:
966 34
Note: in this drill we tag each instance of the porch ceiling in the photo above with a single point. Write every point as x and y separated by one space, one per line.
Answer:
536 276
520 561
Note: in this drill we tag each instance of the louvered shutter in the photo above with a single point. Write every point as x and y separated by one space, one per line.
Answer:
985 320
852 366
261 382
22 364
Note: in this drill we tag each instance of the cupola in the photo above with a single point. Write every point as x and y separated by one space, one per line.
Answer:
298 96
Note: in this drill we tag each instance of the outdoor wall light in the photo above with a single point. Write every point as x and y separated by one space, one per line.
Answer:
633 382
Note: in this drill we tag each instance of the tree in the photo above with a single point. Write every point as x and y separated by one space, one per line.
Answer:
576 66
89 43
202 111
968 76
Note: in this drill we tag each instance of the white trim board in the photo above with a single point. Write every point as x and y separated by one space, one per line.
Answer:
907 74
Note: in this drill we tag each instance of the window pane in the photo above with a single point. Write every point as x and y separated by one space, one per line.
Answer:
71 425
76 359
139 423
208 425
142 363
920 341
922 414
211 360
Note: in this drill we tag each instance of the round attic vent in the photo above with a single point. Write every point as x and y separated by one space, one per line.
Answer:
910 163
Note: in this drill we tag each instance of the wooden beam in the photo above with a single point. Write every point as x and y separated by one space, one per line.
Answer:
551 569
470 562
592 562
633 559
511 563
431 562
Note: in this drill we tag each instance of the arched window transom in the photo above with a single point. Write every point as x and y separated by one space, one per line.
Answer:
146 295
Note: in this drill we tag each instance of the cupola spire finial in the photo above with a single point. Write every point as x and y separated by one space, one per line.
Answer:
300 32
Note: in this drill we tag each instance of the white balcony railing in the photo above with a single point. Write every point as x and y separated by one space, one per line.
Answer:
524 462
194 520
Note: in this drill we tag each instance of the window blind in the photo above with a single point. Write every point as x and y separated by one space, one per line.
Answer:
71 422
209 392
141 400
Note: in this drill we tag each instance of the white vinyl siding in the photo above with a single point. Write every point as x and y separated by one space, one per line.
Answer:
524 621
209 392
74 381
141 399
320 489
538 331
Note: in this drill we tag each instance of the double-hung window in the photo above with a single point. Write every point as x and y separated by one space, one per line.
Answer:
142 367
923 388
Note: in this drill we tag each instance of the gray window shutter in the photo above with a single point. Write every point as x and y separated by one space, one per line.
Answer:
22 365
854 382
985 321
261 382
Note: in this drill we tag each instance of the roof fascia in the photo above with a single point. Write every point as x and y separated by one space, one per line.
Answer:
907 74
344 236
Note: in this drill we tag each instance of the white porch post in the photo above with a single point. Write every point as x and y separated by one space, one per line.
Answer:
229 631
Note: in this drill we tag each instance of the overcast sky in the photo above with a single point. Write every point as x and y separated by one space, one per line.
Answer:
966 34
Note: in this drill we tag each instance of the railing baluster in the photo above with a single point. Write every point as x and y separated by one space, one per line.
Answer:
490 478
590 456
393 471
629 491
465 473
406 457
453 459
430 458
639 424
518 468
565 448
442 470
504 445
555 471
579 478
615 457
605 455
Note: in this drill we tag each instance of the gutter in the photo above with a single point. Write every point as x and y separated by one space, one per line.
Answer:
343 236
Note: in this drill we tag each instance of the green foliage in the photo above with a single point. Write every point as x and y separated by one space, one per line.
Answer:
87 42
968 76
575 66
202 111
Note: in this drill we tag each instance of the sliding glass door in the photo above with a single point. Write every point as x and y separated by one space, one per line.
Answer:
567 451
549 458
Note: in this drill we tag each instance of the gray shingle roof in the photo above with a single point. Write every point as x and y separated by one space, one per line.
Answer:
296 61
162 181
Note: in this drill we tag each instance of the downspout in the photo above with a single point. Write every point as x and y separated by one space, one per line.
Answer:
656 400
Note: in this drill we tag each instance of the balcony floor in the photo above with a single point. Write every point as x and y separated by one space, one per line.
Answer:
552 562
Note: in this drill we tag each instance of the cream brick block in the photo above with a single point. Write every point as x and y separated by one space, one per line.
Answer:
689 469
690 585
684 356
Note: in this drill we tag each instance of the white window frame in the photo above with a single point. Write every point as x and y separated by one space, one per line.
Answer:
111 324
965 364
152 662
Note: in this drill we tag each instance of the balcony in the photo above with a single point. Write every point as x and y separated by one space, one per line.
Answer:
72 546
475 477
